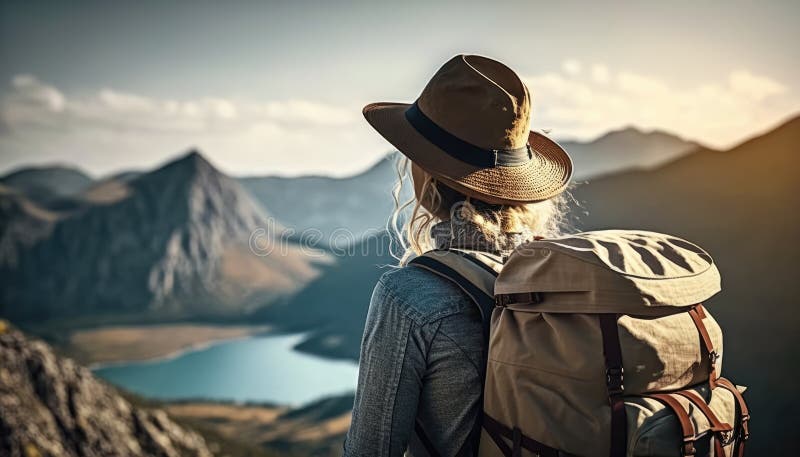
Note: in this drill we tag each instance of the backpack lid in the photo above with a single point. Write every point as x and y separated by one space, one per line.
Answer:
617 271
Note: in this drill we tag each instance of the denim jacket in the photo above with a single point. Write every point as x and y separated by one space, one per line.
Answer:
421 359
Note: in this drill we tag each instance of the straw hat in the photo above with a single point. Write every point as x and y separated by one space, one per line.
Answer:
470 129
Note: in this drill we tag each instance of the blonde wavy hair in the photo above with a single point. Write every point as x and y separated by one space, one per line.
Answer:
438 202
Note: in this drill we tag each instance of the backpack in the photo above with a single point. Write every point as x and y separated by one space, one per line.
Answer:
599 345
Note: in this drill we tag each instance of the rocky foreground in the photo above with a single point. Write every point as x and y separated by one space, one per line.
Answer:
51 406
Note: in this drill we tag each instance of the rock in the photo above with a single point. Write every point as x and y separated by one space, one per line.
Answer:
51 406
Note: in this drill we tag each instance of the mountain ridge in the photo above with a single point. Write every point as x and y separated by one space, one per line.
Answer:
624 149
45 184
176 245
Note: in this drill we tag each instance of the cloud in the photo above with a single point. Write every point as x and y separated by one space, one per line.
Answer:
109 108
756 87
30 91
571 67
600 74
109 129
717 113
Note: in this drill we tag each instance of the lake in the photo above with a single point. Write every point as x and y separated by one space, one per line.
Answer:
259 369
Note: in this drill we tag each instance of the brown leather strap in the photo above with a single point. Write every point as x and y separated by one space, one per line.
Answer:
744 425
687 429
498 431
612 352
698 313
721 430
716 424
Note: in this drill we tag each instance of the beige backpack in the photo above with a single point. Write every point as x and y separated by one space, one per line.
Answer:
599 346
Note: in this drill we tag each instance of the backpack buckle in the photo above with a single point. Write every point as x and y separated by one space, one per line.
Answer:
725 437
713 356
615 377
502 300
688 446
745 430
524 297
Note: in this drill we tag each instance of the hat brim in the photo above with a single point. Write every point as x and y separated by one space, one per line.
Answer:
543 177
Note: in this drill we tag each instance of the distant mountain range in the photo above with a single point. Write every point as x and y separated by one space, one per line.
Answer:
172 243
362 203
22 224
625 149
168 244
358 204
47 184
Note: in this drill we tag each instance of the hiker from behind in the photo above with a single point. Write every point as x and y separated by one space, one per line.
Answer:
483 184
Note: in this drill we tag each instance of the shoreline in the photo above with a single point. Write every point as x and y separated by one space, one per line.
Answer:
94 366
108 346
269 332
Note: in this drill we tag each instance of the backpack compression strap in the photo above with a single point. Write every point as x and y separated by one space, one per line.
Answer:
476 279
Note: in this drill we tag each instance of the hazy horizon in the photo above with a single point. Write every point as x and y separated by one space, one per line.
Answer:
113 87
178 154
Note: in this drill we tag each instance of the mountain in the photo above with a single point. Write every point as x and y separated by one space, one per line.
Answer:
100 192
628 148
742 206
174 243
361 204
333 307
22 224
54 408
46 184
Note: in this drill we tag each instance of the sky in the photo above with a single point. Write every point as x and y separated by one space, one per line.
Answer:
277 87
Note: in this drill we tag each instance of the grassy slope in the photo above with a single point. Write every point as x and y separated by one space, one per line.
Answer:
312 430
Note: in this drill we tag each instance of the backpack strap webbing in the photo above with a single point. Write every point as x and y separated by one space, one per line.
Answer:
471 275
612 353
498 431
476 279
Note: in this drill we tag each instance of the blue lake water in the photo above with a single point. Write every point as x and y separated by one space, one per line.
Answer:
261 369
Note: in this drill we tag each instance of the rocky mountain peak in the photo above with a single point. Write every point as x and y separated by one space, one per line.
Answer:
193 159
54 407
160 247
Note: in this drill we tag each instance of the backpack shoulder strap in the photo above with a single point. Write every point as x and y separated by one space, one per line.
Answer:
472 275
476 278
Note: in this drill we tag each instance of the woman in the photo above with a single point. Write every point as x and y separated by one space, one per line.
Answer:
483 183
